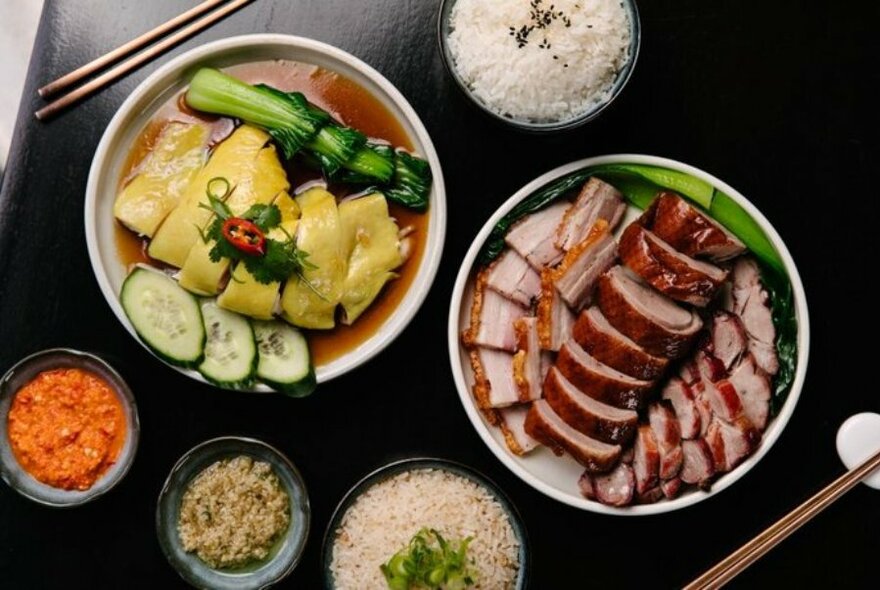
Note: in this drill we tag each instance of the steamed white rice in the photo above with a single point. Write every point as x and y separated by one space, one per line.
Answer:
586 47
384 519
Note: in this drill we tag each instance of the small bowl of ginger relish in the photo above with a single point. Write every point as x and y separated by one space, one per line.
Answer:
68 427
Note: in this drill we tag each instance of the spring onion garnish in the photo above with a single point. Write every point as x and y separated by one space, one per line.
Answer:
430 561
301 127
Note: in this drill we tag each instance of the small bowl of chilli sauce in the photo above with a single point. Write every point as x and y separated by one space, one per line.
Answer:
68 427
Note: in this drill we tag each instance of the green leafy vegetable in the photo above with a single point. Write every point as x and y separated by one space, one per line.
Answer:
640 184
412 182
695 189
785 321
286 116
300 127
430 561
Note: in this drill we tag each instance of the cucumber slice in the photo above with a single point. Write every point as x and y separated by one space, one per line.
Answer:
230 348
165 316
285 364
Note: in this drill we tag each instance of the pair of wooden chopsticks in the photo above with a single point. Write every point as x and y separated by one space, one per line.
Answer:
736 562
125 67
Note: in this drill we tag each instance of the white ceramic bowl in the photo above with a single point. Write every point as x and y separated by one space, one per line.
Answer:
170 79
557 477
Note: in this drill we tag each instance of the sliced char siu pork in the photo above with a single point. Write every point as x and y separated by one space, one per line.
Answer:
600 381
492 317
680 395
597 200
728 340
533 237
753 386
494 386
511 276
575 277
671 487
688 230
591 417
667 432
512 423
677 276
646 460
751 303
608 345
616 488
555 319
730 443
653 321
697 465
527 369
545 426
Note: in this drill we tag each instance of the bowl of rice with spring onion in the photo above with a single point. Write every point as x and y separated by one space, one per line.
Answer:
425 523
540 65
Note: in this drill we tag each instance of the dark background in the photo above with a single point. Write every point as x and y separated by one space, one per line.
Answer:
776 98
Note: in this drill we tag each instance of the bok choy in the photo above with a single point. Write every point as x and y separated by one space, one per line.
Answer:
298 127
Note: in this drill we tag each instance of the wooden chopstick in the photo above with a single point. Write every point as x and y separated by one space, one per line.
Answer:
127 66
736 562
93 66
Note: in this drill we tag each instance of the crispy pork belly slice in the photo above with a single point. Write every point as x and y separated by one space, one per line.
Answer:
679 394
608 345
672 273
752 304
688 230
616 488
671 487
512 423
493 378
597 200
555 320
600 381
575 277
652 320
753 386
545 426
511 276
730 443
646 462
728 339
492 317
664 424
580 411
527 370
697 466
534 237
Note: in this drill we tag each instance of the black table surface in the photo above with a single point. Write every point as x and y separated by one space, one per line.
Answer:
774 97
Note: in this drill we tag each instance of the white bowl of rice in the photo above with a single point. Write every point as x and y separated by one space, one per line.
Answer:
382 512
540 65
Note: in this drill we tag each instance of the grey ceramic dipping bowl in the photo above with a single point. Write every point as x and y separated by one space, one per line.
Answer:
23 373
286 554
416 464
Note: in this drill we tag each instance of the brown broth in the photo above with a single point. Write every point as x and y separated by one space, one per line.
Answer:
350 104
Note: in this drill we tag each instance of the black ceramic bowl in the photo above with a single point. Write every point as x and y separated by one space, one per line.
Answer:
20 375
415 464
288 550
444 28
